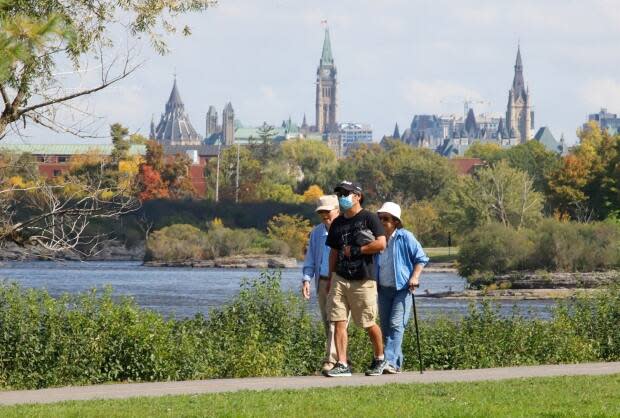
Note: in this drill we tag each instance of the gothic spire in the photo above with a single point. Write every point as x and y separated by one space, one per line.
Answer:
326 56
396 134
518 84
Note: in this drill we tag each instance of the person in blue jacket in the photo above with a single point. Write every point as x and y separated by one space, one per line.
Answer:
398 273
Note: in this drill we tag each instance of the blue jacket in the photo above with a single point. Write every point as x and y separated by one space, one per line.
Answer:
407 253
314 254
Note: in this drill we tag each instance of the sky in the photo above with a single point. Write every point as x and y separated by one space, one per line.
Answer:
395 59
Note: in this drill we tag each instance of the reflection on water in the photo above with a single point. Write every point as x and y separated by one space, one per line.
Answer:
184 292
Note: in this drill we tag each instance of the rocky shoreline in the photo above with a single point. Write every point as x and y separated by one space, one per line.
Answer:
258 261
110 251
512 294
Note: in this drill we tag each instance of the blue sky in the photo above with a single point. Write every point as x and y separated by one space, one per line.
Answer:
394 58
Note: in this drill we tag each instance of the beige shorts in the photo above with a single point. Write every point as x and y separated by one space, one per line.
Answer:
356 296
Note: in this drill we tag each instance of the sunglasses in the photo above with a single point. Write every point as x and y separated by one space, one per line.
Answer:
341 193
385 218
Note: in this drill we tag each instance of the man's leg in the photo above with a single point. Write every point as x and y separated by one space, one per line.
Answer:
330 346
374 332
341 339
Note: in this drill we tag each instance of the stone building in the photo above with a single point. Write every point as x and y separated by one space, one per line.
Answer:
174 127
326 102
519 114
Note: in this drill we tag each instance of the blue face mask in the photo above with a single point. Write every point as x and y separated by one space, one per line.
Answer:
346 202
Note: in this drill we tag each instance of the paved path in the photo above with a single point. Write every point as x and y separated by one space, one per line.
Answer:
128 390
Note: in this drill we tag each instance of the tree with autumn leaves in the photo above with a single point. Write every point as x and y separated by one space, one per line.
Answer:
586 185
161 179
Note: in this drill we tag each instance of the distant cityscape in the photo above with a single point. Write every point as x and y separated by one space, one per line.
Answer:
449 135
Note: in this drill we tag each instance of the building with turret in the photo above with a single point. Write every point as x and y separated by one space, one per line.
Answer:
326 102
519 114
174 127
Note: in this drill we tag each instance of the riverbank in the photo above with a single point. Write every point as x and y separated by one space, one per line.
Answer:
513 294
258 261
108 251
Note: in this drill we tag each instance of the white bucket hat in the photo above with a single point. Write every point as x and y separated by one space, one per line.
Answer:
327 202
391 208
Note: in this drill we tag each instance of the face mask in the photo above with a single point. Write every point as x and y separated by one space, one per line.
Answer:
346 202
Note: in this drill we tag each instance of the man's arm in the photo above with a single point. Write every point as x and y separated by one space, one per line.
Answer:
375 246
308 269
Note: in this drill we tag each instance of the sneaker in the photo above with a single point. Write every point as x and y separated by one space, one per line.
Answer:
339 370
389 369
376 367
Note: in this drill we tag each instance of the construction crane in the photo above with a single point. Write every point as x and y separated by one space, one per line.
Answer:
467 102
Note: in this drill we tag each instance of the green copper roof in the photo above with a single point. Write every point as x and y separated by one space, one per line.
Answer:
326 56
545 137
66 149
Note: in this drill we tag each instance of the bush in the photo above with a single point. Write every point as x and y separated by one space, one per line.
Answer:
493 248
551 246
91 338
177 243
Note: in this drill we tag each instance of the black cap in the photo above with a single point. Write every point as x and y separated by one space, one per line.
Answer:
349 186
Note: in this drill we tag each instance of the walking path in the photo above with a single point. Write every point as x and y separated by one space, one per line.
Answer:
128 390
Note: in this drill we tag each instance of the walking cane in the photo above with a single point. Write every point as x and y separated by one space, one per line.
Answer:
417 332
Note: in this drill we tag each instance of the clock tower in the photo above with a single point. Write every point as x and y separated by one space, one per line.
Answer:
326 91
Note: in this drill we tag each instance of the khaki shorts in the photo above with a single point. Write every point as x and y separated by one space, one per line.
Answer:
356 296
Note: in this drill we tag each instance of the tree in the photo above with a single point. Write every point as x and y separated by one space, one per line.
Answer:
533 158
293 230
312 194
250 175
498 193
120 151
266 149
488 152
586 182
38 36
150 184
58 216
314 159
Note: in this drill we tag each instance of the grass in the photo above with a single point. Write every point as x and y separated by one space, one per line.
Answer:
549 397
442 254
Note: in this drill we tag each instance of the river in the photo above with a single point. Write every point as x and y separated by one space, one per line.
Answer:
183 292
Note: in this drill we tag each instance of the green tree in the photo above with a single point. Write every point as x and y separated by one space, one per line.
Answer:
533 158
315 160
36 37
250 175
498 193
488 152
120 151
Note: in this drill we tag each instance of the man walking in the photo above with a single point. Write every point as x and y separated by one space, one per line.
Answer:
316 266
354 237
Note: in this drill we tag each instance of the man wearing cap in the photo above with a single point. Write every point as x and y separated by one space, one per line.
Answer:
354 237
398 271
316 266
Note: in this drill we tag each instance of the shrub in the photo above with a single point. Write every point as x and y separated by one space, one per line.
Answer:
264 331
495 248
176 243
551 246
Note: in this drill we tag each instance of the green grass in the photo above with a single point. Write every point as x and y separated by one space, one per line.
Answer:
442 254
548 397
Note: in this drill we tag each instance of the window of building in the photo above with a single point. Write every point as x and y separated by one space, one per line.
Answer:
63 158
57 173
40 159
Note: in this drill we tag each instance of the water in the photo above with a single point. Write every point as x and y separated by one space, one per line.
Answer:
183 292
